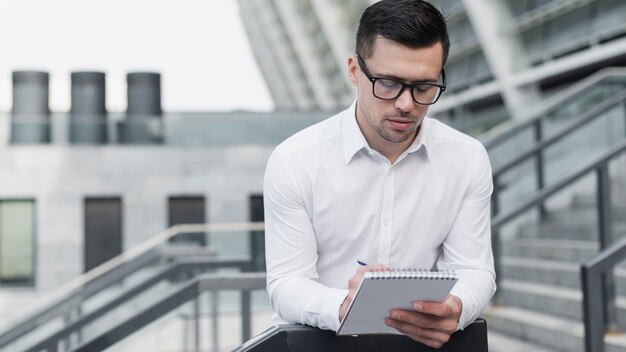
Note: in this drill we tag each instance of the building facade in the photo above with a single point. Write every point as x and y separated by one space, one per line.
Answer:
79 188
506 56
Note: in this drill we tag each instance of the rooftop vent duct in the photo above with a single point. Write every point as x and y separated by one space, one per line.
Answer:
88 112
30 118
143 115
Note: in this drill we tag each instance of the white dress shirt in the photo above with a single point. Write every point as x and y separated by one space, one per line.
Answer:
331 200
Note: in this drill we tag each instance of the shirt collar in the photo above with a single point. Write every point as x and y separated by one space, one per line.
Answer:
354 141
422 141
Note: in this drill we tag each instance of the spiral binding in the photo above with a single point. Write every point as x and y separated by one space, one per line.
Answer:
412 274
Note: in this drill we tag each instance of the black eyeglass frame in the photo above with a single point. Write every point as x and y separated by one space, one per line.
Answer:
373 79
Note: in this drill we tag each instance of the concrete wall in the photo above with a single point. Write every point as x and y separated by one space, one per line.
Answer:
59 178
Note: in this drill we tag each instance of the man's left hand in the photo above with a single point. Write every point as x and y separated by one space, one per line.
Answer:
431 323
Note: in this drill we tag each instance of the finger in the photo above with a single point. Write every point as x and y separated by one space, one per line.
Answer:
425 321
430 337
414 318
356 279
451 307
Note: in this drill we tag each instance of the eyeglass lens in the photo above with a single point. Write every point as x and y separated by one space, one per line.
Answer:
391 89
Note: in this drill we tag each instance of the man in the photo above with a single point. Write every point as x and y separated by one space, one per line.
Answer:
383 184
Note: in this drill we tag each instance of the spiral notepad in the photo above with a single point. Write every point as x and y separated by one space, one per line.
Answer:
381 291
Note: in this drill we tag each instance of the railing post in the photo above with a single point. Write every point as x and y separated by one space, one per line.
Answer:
605 236
593 312
196 323
605 227
78 333
246 326
215 319
68 318
539 166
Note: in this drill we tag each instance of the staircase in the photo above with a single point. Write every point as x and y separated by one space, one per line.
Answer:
541 307
554 158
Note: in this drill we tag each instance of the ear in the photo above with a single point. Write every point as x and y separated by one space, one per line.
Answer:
353 70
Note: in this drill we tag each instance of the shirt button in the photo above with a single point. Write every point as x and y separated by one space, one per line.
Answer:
386 222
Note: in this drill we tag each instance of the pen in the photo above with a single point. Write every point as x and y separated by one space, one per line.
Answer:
361 263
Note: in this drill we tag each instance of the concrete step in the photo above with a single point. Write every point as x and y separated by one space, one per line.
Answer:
549 299
553 272
545 330
589 200
505 343
558 273
541 248
584 214
567 230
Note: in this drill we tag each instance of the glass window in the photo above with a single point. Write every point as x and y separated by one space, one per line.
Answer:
17 242
188 210
257 238
103 230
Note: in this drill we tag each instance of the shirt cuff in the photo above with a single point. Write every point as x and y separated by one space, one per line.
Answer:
468 310
330 308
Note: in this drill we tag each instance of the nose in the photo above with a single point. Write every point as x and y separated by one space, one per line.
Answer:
405 101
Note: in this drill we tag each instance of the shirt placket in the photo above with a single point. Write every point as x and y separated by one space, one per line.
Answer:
386 219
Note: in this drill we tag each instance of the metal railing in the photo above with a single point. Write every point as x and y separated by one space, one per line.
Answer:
71 333
537 113
595 287
536 153
597 284
67 302
171 128
244 282
288 338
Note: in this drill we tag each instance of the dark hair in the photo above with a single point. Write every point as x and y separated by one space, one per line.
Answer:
412 23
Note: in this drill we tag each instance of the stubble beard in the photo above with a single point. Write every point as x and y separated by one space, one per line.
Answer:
400 137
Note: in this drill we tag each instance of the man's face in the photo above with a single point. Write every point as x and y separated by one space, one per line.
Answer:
392 124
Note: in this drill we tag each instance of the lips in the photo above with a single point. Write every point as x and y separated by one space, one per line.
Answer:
401 125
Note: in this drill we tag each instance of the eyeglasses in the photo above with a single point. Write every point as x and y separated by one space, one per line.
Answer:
390 89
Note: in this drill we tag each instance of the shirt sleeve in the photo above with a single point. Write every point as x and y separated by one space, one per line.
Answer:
291 250
467 248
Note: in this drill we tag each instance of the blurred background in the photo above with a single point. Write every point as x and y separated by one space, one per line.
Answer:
192 43
134 137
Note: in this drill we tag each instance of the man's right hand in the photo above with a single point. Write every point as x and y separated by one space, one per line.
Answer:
353 284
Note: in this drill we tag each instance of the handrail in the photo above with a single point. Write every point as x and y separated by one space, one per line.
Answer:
167 273
244 282
62 302
501 219
506 130
570 127
593 275
63 299
536 152
295 337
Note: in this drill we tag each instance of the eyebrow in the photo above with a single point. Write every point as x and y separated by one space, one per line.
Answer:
396 78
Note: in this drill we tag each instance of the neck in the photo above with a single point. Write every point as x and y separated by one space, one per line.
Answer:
392 151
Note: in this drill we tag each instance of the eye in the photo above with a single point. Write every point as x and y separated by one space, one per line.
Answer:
422 88
389 84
